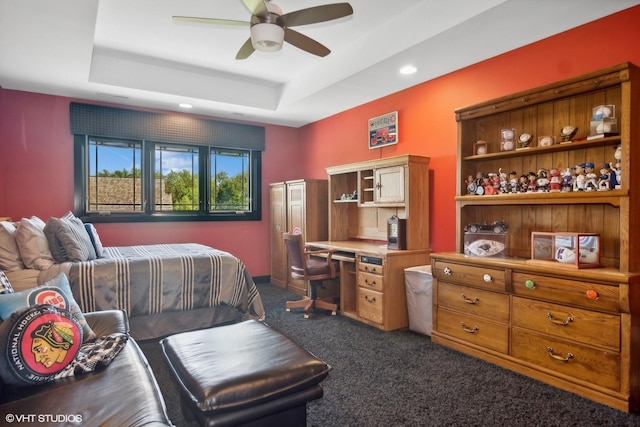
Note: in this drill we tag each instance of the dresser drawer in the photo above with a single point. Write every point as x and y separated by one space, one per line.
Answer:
370 305
466 274
370 281
474 301
575 324
472 329
586 363
595 296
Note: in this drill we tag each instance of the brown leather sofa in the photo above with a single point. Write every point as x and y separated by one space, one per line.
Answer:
125 393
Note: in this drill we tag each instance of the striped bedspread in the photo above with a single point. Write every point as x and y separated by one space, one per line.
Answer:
153 279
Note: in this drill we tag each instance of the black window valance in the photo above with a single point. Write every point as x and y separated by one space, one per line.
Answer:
111 122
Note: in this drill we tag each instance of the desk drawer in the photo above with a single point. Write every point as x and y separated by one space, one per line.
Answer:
474 301
370 268
586 363
588 327
474 330
469 274
371 281
606 297
370 304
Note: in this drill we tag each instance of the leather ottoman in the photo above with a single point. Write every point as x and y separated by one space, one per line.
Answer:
243 374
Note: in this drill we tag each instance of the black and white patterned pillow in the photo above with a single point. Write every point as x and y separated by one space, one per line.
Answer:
5 285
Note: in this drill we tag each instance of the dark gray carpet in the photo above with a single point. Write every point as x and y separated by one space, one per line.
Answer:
401 379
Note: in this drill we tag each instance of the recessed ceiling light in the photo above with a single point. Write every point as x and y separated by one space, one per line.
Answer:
184 105
408 69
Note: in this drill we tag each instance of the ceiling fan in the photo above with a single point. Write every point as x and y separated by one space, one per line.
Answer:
270 28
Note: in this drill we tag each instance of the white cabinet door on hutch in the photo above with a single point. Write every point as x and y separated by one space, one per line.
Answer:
389 184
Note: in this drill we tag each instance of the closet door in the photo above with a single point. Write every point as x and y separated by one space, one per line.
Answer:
278 226
296 218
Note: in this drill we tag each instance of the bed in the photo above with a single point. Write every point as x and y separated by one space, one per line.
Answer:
165 288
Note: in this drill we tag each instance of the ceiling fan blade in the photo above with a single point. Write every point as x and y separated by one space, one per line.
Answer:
256 7
197 20
305 43
316 14
246 50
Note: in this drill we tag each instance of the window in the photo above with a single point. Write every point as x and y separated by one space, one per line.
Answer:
147 181
148 166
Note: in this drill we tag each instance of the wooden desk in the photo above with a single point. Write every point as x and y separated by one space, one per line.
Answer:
372 288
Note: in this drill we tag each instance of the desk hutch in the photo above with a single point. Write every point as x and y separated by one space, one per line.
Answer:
372 286
576 329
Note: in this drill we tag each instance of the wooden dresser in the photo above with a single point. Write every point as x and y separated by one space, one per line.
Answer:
577 329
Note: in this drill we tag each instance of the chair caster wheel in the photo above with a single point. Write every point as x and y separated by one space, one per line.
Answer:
306 316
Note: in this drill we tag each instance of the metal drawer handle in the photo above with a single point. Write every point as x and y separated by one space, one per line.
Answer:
470 301
447 271
366 297
370 284
559 358
469 330
559 322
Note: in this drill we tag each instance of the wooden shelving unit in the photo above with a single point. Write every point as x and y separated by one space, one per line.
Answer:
571 328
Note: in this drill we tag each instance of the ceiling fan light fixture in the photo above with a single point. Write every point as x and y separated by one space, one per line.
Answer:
267 37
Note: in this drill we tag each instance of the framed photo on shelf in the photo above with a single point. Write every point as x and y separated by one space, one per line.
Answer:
383 130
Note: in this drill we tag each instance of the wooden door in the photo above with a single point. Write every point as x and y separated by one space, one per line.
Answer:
278 226
296 223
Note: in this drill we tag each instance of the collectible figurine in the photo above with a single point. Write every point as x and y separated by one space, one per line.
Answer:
504 183
590 183
495 182
567 180
523 183
605 177
513 182
471 185
532 177
616 173
487 184
578 177
555 183
542 182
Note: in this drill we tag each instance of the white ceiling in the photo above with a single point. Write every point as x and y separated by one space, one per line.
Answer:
131 52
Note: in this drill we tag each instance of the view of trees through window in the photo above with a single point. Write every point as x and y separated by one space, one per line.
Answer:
119 181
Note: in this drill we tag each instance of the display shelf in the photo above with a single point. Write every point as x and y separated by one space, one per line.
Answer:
566 146
603 302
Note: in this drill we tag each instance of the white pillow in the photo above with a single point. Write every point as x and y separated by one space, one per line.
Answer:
33 244
9 254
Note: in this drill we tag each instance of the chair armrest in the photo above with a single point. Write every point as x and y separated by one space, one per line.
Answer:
329 252
108 322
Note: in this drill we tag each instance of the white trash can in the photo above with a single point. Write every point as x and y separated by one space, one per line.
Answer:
419 287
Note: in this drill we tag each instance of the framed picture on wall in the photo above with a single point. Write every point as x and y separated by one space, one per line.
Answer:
383 130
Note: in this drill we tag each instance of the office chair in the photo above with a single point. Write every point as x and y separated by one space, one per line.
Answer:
314 269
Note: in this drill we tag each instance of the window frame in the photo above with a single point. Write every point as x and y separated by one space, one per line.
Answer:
148 214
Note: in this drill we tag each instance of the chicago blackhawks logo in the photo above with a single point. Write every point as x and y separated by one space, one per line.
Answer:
42 342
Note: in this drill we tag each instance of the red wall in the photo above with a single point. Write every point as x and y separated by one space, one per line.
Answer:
36 178
36 150
426 118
